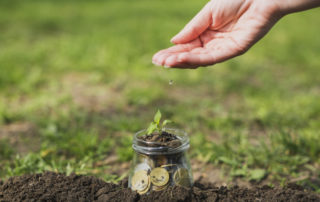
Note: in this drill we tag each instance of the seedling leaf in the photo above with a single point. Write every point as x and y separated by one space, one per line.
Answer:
152 127
165 122
155 125
157 117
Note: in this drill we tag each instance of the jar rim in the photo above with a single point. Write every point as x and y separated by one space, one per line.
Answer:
137 144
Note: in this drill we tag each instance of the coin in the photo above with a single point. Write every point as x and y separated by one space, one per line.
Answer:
147 189
140 181
168 165
145 159
159 176
181 177
142 166
157 188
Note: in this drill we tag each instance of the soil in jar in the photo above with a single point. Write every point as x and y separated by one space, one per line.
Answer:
158 139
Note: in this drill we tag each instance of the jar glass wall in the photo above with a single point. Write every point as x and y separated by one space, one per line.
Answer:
155 167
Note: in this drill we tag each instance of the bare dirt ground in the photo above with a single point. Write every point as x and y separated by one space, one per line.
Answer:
58 187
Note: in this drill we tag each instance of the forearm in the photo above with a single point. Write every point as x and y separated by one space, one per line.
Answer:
291 6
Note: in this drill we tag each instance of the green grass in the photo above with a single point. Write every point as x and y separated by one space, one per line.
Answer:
80 72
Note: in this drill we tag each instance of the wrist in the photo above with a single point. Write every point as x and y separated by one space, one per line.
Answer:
292 6
273 9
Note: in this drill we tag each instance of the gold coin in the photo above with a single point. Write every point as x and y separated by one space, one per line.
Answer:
157 188
159 176
145 159
142 158
181 177
168 165
147 189
140 181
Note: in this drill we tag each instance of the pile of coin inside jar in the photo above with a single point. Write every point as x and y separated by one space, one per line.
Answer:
157 165
156 172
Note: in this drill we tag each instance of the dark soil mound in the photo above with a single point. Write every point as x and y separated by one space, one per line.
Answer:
58 187
161 139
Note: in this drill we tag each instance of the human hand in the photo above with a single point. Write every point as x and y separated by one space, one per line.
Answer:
221 30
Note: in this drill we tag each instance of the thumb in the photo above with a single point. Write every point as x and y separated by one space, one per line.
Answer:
195 27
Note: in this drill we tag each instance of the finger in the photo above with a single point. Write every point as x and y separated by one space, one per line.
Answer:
195 27
194 60
173 62
181 65
170 61
180 48
184 66
174 49
197 59
199 50
206 58
160 59
155 58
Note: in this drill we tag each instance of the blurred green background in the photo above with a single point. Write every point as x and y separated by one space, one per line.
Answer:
76 82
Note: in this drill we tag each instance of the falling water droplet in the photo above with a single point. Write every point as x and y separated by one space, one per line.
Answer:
170 82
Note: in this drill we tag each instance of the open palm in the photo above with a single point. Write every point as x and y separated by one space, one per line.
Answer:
221 30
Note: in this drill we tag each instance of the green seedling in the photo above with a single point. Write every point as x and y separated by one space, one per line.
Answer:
156 125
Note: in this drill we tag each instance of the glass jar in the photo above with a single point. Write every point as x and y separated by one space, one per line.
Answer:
156 167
